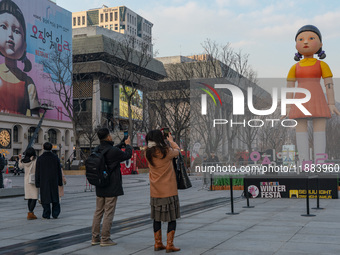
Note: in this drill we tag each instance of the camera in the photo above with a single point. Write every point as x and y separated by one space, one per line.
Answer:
165 132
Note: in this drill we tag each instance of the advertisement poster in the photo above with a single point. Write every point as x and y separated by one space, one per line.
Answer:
291 187
136 104
30 35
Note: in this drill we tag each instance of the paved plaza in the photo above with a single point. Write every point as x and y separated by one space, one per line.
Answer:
274 226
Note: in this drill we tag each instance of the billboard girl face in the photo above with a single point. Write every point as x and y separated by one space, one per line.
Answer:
12 31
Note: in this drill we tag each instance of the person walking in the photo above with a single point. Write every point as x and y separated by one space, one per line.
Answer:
107 196
2 166
163 187
31 192
48 177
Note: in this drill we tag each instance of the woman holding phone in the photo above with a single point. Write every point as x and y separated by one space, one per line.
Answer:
163 187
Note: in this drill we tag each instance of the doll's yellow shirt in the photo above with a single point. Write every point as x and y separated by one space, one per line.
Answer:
326 71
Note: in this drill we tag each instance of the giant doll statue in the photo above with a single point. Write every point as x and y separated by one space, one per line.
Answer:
308 73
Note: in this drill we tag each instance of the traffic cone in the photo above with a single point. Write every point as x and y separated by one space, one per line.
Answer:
7 171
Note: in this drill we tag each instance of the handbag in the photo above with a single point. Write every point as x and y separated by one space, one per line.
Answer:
31 178
183 181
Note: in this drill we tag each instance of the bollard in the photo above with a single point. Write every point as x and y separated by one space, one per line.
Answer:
211 182
317 196
307 200
246 193
231 197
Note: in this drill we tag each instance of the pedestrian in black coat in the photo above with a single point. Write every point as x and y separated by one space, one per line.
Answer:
48 177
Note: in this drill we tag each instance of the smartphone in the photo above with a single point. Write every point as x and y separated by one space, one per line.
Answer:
166 132
126 134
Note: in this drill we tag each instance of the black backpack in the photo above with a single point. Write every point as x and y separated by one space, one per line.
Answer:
96 169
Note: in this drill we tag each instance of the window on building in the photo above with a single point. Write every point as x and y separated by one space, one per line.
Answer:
111 27
74 21
107 106
52 136
83 21
78 21
85 104
111 16
102 17
116 26
30 134
116 16
106 17
15 134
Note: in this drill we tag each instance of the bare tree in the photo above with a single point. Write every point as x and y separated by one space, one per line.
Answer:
60 71
129 64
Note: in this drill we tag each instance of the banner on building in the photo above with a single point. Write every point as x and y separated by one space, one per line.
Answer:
31 32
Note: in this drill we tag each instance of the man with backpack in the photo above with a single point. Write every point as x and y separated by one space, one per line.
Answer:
107 194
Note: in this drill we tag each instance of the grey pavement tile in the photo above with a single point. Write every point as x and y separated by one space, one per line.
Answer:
251 236
274 229
316 238
236 252
281 252
319 231
202 239
310 248
120 248
251 245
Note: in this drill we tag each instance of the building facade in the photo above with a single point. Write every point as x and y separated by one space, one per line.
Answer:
97 92
20 130
119 19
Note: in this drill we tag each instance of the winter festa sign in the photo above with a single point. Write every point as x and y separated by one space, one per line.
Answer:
294 187
31 32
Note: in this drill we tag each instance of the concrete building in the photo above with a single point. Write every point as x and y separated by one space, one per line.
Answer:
119 19
96 57
21 129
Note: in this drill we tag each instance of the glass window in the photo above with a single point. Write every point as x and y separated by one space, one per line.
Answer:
111 16
78 21
106 17
15 134
116 26
107 107
102 17
74 21
30 134
52 136
111 27
84 103
116 16
83 20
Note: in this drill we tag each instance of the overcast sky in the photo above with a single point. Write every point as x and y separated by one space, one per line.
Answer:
265 29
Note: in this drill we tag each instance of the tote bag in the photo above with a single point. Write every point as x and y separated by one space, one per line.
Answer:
183 181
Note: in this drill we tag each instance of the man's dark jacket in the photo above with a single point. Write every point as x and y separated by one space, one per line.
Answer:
113 157
48 177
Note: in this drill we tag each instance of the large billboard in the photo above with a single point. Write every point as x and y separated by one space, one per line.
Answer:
31 32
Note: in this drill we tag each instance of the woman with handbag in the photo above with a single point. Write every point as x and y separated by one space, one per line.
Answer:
31 192
163 187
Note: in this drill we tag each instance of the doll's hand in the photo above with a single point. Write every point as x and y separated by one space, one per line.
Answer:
333 109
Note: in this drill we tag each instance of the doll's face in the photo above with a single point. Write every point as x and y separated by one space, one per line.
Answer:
12 42
308 43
